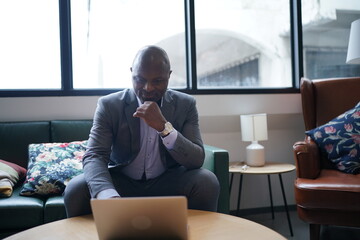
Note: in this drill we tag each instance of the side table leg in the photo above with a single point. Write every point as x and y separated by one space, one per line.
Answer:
239 195
231 181
286 206
271 199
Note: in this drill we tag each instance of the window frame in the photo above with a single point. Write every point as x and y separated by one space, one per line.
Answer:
66 60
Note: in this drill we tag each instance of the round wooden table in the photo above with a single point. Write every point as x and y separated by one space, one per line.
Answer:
268 169
203 225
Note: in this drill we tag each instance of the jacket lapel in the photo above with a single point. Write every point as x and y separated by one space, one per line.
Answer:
168 107
133 122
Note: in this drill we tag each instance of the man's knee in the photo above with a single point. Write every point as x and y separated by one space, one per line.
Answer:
205 180
202 190
77 197
76 186
209 180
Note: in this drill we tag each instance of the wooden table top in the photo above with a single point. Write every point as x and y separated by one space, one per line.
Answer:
202 225
268 168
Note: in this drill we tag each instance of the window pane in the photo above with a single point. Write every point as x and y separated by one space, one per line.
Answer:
106 34
326 29
243 43
29 44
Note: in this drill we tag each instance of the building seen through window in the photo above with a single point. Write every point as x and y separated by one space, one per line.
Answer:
232 50
326 30
242 74
240 44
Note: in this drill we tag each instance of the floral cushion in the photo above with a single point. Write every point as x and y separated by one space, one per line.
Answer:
340 140
51 166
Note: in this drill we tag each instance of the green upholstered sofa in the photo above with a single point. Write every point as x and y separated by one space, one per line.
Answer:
19 212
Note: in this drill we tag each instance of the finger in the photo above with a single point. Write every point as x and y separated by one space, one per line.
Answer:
138 113
148 102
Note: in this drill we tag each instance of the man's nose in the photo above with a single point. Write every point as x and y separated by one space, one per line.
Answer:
148 87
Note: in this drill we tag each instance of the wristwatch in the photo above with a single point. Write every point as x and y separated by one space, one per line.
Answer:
167 130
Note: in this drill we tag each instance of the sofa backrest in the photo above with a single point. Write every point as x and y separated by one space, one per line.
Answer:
70 130
15 137
325 99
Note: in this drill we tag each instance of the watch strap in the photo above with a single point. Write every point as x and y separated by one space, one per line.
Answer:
167 130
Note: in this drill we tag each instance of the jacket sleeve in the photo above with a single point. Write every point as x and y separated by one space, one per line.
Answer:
188 149
97 156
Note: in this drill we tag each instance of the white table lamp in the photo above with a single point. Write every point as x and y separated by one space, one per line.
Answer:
254 129
353 54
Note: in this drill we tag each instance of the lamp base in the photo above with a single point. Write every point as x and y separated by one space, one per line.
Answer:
255 155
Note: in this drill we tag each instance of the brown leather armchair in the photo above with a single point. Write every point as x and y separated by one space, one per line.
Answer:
323 195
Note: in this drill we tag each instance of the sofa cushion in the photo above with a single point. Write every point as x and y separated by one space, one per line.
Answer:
52 166
15 138
19 212
339 139
10 175
54 209
327 192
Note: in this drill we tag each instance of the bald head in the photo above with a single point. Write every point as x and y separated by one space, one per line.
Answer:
151 57
150 73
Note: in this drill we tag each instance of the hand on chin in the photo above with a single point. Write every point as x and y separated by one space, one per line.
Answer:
148 99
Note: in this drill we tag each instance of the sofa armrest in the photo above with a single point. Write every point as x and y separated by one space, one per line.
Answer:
307 159
217 161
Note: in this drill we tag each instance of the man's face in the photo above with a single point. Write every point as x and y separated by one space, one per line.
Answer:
150 83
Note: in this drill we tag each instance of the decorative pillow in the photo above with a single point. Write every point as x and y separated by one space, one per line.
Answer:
10 175
340 140
52 166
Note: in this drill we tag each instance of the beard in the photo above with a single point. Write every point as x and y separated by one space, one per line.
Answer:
153 96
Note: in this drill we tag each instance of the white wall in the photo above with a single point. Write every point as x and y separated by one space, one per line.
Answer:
220 126
219 123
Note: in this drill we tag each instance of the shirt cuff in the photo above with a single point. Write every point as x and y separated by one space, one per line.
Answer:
107 193
169 140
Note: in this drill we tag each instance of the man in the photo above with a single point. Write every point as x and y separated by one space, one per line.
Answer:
144 141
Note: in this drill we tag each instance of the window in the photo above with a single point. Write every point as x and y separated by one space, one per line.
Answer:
236 47
328 63
242 74
230 54
107 34
326 29
29 44
215 46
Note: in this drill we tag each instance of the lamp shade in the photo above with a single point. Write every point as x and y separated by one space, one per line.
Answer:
353 54
254 127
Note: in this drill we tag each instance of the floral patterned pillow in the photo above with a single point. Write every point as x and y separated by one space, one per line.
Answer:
51 166
340 140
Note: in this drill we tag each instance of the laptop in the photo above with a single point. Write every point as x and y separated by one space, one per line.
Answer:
141 217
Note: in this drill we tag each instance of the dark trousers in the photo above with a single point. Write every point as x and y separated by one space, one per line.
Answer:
200 186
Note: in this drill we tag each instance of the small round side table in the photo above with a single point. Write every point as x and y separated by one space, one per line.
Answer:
268 169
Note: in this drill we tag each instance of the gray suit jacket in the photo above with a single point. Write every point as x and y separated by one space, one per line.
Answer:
114 139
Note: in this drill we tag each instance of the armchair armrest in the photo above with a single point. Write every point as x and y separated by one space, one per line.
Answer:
307 158
217 161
